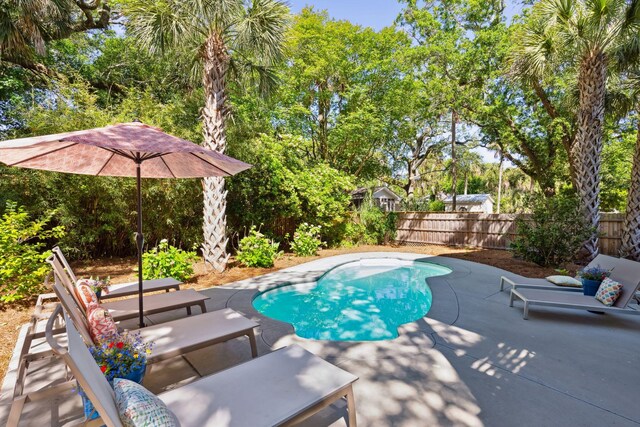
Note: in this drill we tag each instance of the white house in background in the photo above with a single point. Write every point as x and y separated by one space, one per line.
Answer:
470 203
383 197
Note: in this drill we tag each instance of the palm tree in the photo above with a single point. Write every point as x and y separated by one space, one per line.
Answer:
582 35
26 27
631 227
624 97
225 36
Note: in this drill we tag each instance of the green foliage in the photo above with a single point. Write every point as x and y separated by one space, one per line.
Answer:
22 264
283 185
436 206
554 232
370 226
167 261
306 240
256 250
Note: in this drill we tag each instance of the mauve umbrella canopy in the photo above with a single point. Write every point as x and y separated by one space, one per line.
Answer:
112 150
126 149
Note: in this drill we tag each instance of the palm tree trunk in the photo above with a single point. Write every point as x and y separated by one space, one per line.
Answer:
631 229
592 81
216 63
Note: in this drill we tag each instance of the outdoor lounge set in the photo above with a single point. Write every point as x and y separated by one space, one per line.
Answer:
280 388
541 292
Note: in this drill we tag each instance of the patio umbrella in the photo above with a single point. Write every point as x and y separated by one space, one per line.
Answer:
120 150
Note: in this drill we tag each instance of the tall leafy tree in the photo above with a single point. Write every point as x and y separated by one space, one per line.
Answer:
456 51
341 89
225 37
582 35
27 26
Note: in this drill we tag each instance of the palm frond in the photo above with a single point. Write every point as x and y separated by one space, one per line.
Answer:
261 30
158 25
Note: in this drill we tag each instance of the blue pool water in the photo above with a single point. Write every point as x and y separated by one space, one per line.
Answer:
365 300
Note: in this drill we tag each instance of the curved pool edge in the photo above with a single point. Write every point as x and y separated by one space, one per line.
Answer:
422 259
395 327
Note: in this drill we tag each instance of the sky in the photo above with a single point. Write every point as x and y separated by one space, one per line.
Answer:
378 14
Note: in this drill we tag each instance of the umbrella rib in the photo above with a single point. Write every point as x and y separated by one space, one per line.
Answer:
106 163
122 153
168 168
43 154
208 162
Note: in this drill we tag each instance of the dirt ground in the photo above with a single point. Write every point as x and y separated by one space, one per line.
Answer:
123 270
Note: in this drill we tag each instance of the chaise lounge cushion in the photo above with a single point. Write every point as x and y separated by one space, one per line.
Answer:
138 407
568 281
85 293
101 324
609 292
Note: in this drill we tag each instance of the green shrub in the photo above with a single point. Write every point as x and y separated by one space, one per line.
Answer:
436 206
306 240
380 226
22 262
554 232
256 250
167 261
354 232
370 226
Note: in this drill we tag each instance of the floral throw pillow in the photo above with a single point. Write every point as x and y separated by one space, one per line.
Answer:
609 292
101 324
85 293
138 407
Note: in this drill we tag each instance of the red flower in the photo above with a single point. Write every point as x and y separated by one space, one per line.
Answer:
111 345
120 344
103 368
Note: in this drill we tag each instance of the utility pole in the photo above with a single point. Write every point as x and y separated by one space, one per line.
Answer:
500 181
454 172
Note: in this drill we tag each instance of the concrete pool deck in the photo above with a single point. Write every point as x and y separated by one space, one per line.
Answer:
471 361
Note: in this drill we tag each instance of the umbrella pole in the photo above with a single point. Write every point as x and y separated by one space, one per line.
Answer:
139 242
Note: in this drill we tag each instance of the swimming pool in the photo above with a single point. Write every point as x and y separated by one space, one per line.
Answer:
365 300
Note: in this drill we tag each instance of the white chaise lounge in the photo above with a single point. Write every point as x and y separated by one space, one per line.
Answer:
626 272
281 388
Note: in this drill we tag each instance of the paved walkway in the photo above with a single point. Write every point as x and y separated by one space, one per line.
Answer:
471 361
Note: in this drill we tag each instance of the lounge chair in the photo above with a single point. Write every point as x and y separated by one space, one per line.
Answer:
281 388
626 272
124 289
604 261
176 337
128 308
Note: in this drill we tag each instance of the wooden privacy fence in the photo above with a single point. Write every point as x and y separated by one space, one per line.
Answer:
495 231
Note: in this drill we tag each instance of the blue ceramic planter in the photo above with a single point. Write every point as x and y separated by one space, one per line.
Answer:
590 287
89 413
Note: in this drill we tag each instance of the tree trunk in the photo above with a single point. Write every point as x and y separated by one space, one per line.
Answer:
216 64
631 229
466 182
454 172
411 181
592 81
500 182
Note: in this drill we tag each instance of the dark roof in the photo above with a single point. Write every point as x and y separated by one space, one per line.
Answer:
361 192
470 198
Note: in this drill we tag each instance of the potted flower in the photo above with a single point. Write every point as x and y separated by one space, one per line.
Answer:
100 286
120 356
591 278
